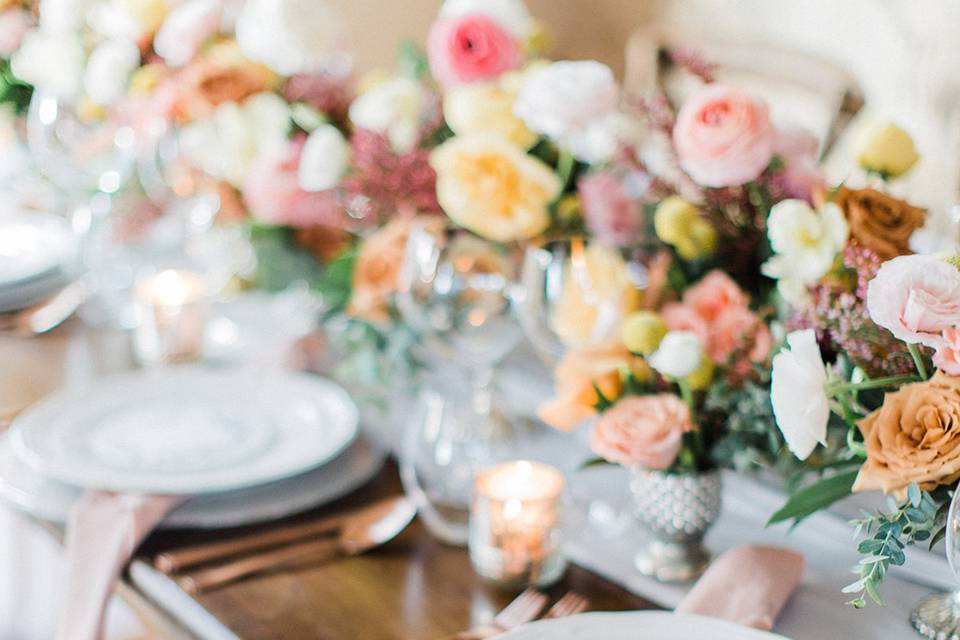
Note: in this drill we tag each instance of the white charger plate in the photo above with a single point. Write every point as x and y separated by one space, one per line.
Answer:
33 245
637 625
186 430
50 500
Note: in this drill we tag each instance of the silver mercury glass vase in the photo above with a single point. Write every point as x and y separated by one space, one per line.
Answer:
677 510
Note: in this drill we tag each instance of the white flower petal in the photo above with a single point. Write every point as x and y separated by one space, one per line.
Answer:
324 159
797 393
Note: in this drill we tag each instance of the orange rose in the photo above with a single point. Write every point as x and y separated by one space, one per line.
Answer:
913 437
579 370
377 268
202 86
880 222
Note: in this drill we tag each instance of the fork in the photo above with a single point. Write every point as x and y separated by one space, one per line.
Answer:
525 607
570 604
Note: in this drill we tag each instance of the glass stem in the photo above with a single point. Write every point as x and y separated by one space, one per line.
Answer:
482 394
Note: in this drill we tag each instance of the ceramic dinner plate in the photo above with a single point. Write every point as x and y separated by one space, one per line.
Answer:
32 246
186 430
638 625
50 500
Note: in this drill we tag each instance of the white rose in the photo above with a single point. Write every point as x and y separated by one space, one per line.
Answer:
678 355
324 160
512 15
573 103
294 36
392 108
805 243
52 62
108 70
185 29
63 16
131 20
225 143
797 393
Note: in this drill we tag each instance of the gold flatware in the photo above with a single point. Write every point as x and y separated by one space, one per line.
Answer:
359 532
570 604
524 608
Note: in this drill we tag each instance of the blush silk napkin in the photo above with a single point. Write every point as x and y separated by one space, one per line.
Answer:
748 585
103 531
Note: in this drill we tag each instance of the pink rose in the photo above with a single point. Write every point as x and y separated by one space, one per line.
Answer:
723 137
186 28
947 357
683 317
611 215
916 298
14 24
715 293
470 48
644 431
738 329
272 192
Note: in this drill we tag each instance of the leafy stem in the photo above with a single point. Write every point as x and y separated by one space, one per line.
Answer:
918 361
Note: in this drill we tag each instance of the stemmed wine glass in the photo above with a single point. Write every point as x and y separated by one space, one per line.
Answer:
455 293
938 615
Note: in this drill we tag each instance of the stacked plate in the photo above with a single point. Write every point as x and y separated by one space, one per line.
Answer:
38 256
246 447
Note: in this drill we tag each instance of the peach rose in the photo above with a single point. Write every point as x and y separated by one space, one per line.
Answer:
683 317
916 298
947 357
738 329
913 437
714 294
375 275
880 222
200 87
575 376
470 48
644 431
723 137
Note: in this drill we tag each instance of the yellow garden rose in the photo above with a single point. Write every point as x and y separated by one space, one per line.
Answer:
887 149
643 331
487 185
487 107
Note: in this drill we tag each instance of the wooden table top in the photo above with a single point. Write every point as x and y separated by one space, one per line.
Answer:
412 588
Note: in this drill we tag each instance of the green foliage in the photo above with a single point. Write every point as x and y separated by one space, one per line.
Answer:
915 519
815 497
13 90
752 440
412 61
335 283
279 262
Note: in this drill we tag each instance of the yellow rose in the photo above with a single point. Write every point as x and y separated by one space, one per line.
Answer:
487 107
886 149
700 241
673 219
643 331
595 297
487 185
702 376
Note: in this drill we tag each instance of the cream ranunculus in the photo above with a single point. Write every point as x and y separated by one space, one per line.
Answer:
575 104
487 107
108 70
512 15
679 354
393 108
886 149
185 29
797 393
294 36
806 242
63 16
487 185
131 20
225 143
52 62
325 158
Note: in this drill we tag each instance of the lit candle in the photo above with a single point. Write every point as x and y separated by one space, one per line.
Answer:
172 308
515 524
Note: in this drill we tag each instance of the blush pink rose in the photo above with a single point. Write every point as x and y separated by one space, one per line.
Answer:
272 192
683 317
947 357
916 298
723 137
470 48
611 215
738 329
14 24
645 431
715 293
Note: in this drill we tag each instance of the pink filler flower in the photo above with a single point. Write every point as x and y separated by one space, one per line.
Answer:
611 215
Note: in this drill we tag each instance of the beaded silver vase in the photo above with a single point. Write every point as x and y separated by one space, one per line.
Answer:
677 511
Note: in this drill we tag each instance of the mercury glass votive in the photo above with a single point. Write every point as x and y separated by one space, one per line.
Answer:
515 524
172 311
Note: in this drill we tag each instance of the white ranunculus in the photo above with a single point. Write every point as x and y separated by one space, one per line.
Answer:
126 19
512 15
294 36
678 355
185 29
392 108
63 16
52 62
225 143
108 70
324 160
805 243
571 103
797 391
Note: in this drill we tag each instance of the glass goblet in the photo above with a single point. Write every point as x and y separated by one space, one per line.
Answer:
938 615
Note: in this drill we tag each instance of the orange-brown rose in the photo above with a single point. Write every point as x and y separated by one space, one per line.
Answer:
879 222
913 437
